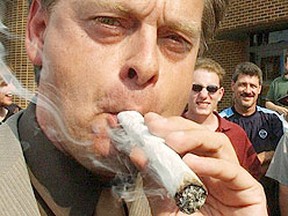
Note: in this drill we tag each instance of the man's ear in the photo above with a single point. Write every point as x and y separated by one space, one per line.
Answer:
221 94
260 89
35 32
232 85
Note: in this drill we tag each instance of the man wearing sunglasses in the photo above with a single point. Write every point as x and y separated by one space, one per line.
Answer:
205 94
263 127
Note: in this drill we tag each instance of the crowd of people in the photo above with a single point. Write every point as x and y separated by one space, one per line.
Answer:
124 54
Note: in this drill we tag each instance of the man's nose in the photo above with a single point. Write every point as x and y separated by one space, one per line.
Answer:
142 64
248 89
203 93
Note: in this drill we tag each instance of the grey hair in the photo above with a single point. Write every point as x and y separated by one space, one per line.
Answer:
247 68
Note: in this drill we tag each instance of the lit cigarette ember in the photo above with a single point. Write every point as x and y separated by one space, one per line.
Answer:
165 165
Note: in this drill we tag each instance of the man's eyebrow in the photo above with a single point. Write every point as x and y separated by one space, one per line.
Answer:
191 29
100 4
114 6
117 6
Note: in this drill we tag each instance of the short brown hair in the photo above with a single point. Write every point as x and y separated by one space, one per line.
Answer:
211 66
247 68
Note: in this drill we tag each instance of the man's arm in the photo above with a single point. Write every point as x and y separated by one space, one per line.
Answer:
280 109
283 199
265 159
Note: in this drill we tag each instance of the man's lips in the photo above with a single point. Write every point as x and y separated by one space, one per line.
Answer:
247 98
247 95
112 120
202 103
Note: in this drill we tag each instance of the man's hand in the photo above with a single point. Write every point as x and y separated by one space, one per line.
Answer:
232 190
283 111
265 159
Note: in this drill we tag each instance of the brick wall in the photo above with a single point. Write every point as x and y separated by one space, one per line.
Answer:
243 18
228 54
255 14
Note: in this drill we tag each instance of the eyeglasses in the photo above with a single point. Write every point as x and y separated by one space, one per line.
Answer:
210 88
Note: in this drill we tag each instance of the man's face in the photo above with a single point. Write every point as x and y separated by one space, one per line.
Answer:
5 94
203 103
246 91
101 57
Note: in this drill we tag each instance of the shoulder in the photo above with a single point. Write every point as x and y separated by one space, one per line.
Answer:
12 122
270 115
277 79
268 112
6 134
273 118
12 166
265 110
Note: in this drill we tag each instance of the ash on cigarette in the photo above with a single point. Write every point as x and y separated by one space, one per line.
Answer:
191 199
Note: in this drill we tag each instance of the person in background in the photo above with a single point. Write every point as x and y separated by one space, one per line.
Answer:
98 58
7 107
262 126
278 171
207 90
277 96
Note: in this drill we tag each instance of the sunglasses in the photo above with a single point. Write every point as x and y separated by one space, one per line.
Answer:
210 88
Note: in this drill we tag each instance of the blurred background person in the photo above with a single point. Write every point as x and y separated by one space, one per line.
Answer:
7 107
277 96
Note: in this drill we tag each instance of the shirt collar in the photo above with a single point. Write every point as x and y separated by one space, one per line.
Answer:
223 125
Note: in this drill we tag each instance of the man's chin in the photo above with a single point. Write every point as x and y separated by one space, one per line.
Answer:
111 165
8 103
247 106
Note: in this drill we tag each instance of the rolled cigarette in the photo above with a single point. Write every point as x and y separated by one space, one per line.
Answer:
164 164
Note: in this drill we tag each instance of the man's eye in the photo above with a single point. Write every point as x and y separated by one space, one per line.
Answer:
176 43
242 85
176 38
109 29
109 21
